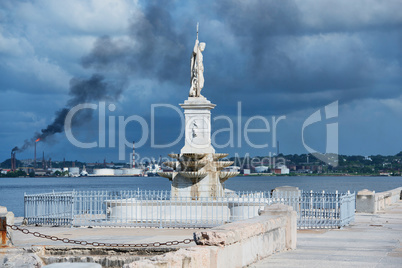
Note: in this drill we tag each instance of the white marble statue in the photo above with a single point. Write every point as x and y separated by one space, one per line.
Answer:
197 69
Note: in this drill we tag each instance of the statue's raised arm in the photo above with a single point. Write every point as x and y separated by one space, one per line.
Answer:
197 69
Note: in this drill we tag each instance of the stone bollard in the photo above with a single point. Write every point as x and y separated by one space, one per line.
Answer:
5 233
290 190
365 201
291 225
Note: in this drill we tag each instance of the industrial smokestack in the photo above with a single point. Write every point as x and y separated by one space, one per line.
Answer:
43 161
12 159
35 152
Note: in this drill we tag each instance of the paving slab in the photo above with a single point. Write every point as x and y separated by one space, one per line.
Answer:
373 240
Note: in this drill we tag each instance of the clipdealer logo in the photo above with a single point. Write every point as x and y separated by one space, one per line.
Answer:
199 132
331 152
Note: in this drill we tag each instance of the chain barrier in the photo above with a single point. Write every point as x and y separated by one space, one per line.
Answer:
97 244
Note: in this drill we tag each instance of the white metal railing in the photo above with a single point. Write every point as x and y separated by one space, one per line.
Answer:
158 209
50 208
319 209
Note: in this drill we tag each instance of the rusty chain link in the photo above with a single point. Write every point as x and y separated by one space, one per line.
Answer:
97 244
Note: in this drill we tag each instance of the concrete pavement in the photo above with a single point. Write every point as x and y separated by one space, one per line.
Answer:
102 235
373 240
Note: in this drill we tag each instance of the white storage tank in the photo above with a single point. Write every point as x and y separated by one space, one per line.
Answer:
74 171
118 172
132 171
103 172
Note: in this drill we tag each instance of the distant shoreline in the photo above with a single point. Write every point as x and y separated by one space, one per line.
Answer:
313 175
240 175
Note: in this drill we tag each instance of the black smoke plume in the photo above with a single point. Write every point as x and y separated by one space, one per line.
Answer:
89 90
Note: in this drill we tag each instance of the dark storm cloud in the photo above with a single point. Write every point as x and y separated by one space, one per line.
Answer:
283 51
255 26
276 52
277 57
156 48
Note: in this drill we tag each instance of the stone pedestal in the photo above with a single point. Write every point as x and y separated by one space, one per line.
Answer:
197 112
197 171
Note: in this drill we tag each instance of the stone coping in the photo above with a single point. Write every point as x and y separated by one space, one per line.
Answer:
239 231
371 202
273 217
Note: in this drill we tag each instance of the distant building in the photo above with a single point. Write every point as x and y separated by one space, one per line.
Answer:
41 172
261 169
292 167
281 170
304 171
231 169
385 174
132 171
74 171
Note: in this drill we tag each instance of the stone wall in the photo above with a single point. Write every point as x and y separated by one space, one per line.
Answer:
236 244
371 202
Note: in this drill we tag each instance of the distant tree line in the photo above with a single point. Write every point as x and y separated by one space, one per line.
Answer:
353 164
